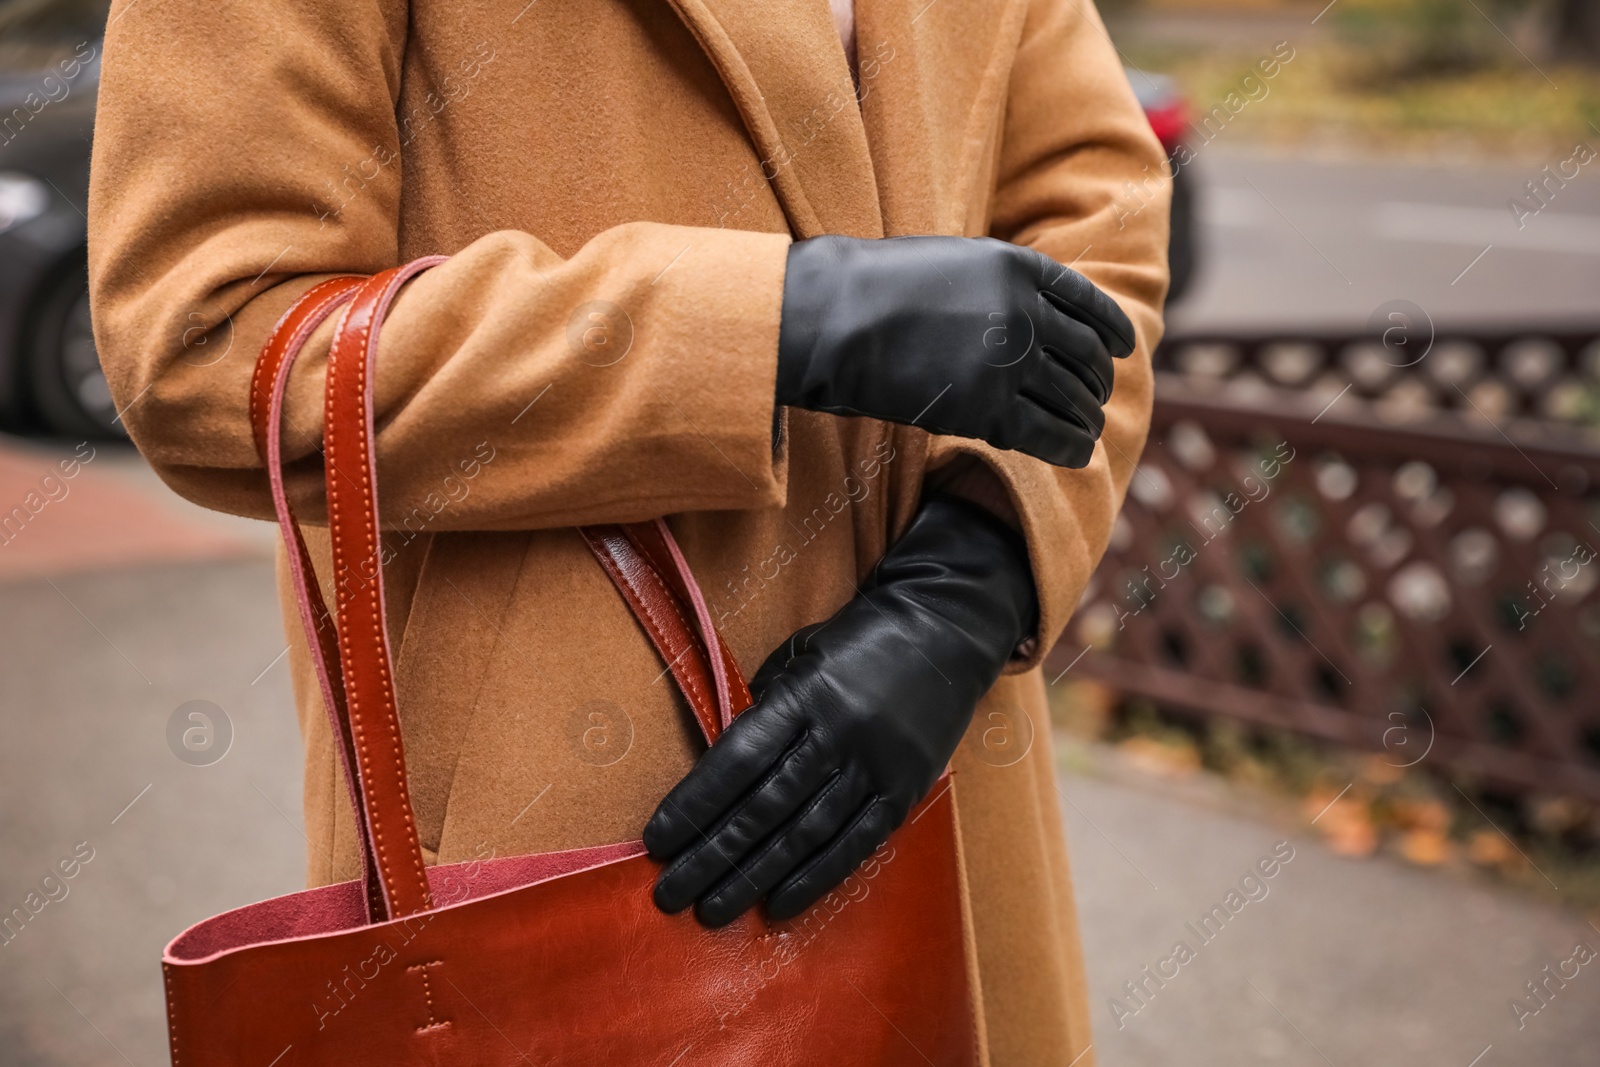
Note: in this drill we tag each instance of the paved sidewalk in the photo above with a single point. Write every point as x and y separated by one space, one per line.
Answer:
93 668
69 507
1330 961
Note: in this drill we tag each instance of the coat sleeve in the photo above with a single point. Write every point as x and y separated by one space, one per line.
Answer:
1081 178
218 124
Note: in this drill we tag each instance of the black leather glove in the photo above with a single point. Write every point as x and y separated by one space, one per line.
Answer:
854 720
966 336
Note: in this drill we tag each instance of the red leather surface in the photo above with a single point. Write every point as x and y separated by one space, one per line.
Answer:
558 958
583 970
662 618
267 386
333 908
655 541
363 642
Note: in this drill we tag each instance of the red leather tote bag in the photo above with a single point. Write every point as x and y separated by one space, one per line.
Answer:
557 958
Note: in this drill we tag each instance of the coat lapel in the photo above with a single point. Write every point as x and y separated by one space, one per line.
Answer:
787 73
934 75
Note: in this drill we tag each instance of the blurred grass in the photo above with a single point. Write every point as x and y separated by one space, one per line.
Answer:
1402 39
1340 91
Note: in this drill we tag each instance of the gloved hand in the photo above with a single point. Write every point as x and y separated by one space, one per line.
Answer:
855 718
966 336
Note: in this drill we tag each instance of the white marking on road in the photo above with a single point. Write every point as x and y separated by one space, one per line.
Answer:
1452 224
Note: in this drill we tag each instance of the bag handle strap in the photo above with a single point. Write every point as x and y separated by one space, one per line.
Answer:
352 488
645 564
351 649
267 387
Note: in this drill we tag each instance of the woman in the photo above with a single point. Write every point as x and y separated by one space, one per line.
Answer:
642 316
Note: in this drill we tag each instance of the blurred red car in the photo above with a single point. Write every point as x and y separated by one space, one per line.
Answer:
1168 112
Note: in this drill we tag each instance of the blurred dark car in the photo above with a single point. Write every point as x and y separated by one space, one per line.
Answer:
50 376
1168 112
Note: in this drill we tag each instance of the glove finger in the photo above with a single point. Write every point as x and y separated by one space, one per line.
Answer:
1070 345
870 828
746 752
823 816
753 818
1064 395
1078 297
1042 432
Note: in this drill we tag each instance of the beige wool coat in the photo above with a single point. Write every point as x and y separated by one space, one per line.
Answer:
617 182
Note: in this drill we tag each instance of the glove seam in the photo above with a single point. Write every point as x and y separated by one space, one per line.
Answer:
837 842
822 793
1082 314
710 838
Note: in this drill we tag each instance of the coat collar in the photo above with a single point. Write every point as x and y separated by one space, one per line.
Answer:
915 155
786 70
934 106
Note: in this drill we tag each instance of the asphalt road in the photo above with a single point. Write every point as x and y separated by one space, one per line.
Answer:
1294 243
1330 962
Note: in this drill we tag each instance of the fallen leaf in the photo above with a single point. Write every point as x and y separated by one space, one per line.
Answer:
1161 759
1429 815
1379 771
1426 848
1348 830
1488 848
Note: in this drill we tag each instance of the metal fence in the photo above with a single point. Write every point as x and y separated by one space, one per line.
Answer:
1389 544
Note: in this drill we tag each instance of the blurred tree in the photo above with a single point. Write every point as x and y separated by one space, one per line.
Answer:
1577 32
32 18
35 32
1113 10
1405 39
